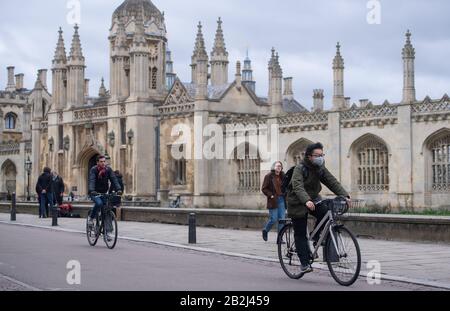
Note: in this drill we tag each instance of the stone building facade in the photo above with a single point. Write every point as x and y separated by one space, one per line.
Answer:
390 154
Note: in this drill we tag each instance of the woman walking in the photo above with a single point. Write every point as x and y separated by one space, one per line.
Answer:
276 203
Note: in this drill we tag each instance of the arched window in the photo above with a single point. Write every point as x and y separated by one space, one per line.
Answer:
248 169
372 166
10 121
296 152
440 164
8 174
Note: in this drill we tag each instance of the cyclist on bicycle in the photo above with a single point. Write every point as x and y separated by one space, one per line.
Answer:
99 178
303 191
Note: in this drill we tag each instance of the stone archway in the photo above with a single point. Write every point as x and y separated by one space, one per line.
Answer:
86 160
296 152
9 175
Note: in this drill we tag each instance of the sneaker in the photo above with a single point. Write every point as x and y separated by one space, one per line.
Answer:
264 235
306 269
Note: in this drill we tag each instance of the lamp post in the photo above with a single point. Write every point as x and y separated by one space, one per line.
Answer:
28 165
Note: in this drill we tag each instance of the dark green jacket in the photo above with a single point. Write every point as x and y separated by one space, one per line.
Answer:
301 191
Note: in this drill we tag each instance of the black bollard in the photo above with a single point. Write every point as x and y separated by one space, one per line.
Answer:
54 216
13 207
192 229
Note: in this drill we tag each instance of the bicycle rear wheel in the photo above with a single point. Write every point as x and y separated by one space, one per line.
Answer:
93 233
287 253
110 230
344 262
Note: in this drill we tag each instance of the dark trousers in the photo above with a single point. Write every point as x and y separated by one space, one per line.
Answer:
300 226
46 199
98 204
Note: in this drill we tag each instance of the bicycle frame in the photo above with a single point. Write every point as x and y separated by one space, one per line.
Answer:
328 219
107 206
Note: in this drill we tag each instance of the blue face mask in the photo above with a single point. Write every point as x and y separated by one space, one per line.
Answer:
319 161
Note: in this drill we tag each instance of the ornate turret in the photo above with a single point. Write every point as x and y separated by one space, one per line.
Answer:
59 74
409 55
219 58
199 52
275 84
338 80
75 73
247 74
60 58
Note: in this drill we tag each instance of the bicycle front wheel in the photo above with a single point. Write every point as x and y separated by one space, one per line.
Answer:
287 253
110 230
92 232
344 257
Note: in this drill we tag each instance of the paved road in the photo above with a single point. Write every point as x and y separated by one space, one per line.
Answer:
38 258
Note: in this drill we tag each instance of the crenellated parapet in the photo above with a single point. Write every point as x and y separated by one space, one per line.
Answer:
370 115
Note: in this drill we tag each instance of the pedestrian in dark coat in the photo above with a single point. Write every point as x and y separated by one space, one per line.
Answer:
276 203
44 187
58 188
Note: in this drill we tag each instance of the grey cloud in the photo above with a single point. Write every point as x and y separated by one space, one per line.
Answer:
304 33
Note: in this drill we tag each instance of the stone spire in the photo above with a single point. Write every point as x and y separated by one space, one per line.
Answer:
75 73
76 53
247 74
60 58
59 74
219 42
102 91
277 72
270 68
409 55
338 80
338 62
275 84
199 52
408 50
219 58
272 60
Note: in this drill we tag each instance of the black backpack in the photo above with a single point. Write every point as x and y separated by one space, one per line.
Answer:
288 176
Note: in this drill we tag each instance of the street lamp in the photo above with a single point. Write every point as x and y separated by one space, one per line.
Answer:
28 165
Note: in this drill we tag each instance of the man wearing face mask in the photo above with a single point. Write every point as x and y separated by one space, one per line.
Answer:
304 189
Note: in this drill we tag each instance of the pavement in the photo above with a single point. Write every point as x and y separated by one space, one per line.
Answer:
417 265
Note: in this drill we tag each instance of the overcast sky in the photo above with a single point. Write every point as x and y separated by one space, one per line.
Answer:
303 32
